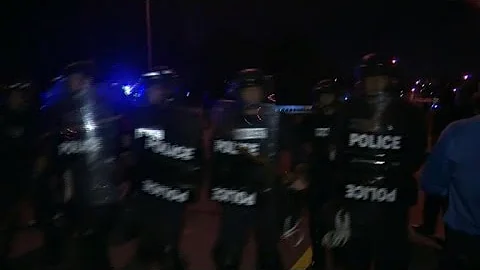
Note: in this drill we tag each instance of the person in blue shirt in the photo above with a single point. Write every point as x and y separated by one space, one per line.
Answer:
453 170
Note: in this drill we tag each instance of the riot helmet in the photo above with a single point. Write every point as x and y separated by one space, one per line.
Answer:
160 85
377 74
325 93
79 75
19 95
249 87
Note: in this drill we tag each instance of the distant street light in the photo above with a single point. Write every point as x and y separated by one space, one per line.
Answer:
148 23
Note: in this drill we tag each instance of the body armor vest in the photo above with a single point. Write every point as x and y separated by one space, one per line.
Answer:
244 152
374 144
167 143
87 148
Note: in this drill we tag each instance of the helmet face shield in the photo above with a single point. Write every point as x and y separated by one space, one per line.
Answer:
252 94
76 81
250 86
157 93
325 93
160 85
19 95
376 73
326 99
79 75
377 83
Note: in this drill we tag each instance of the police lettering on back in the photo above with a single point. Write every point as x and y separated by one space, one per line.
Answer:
77 147
154 140
373 194
231 147
234 196
386 142
322 132
165 192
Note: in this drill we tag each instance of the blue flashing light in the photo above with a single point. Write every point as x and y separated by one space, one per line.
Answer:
127 89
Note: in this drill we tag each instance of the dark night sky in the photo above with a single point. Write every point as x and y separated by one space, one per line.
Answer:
297 39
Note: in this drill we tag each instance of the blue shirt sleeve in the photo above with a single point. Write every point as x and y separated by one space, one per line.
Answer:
436 174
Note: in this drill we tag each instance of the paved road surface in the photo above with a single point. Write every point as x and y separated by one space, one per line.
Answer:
198 238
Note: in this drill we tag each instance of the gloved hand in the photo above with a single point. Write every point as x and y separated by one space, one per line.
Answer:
342 232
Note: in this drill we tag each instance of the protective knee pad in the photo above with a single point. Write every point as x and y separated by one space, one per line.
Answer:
225 260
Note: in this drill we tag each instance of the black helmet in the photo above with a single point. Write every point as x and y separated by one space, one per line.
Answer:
251 77
376 65
327 86
20 87
81 67
162 76
23 89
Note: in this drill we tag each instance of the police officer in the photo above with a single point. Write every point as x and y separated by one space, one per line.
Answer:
244 181
380 141
17 143
167 142
326 100
82 139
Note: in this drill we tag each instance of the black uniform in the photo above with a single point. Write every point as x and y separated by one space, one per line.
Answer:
294 142
84 132
17 145
167 148
244 182
319 124
380 142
